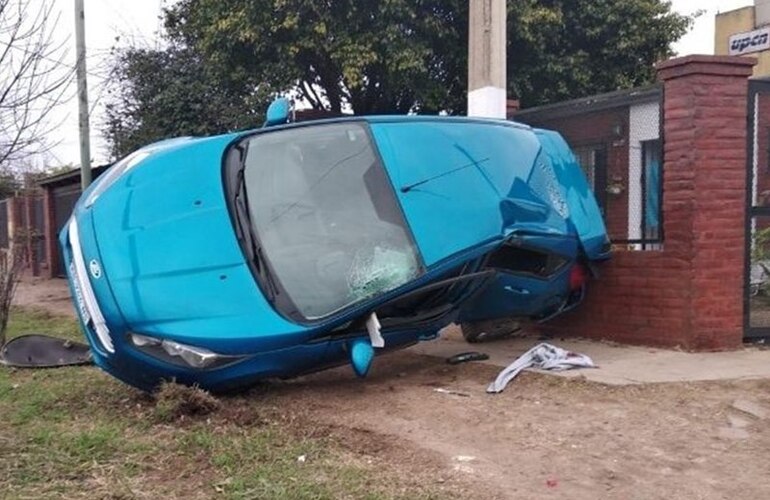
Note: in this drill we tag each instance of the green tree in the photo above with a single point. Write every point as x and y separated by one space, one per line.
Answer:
562 49
367 56
157 94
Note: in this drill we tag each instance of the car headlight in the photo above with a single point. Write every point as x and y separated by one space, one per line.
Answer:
181 354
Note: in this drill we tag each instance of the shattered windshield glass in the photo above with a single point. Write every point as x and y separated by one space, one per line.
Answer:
326 216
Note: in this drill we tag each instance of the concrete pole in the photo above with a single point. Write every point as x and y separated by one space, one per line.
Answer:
80 67
486 59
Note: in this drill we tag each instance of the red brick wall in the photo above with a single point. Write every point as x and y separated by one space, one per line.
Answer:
594 129
690 294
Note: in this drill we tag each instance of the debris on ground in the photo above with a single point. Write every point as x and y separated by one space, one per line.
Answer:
43 351
733 433
737 422
465 357
543 356
451 392
751 408
175 401
461 466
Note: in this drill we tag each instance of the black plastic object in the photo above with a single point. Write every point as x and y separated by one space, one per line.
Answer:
42 351
492 329
464 357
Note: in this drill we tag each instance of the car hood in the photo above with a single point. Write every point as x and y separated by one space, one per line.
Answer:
171 256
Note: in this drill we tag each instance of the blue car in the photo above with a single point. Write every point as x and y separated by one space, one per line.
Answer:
222 261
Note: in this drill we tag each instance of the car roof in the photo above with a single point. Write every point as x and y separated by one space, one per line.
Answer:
372 119
406 118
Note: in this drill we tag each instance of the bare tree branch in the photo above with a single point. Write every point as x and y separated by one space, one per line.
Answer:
34 78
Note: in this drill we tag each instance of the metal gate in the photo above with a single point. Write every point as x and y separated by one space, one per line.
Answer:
64 200
757 271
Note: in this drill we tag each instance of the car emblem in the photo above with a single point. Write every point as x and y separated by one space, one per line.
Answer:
95 268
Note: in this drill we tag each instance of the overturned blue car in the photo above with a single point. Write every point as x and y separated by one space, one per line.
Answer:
280 251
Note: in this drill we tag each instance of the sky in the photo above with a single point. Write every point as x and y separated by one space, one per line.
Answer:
136 22
700 39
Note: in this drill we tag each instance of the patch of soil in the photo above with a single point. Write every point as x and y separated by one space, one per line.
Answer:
52 295
174 402
544 437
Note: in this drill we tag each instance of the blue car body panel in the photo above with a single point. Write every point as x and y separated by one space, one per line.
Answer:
164 253
584 212
457 210
173 268
524 295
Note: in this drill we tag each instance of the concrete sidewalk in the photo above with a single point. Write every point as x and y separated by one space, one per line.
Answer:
617 365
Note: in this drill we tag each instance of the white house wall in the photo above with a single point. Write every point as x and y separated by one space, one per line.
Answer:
643 125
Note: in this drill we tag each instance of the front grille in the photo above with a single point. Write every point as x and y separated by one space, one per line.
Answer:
85 299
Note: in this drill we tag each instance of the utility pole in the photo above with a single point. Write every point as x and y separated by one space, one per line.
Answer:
80 67
486 59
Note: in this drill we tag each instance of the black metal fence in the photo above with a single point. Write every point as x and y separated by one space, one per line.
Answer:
24 216
64 199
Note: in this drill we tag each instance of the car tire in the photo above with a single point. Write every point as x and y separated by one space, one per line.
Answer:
483 331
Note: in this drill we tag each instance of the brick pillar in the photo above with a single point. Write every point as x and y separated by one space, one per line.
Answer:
705 154
690 294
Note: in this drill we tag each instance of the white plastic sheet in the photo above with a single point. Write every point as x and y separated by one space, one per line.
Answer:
543 356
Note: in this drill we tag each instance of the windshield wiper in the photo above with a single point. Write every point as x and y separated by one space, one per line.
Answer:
409 187
246 230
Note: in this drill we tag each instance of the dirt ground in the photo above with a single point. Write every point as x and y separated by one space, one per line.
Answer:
544 437
548 437
51 295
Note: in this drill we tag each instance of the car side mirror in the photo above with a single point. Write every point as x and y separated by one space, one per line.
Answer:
278 113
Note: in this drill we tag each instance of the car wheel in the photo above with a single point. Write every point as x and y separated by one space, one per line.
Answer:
482 331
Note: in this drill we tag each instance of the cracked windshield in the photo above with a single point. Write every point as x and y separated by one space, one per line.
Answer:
326 217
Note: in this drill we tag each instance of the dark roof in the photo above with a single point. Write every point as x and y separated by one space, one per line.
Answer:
599 102
70 177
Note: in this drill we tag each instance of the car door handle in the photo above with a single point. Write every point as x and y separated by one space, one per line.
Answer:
517 291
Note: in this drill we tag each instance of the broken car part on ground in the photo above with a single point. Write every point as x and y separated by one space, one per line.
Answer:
288 249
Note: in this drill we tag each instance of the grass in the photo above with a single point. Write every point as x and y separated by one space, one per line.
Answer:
77 433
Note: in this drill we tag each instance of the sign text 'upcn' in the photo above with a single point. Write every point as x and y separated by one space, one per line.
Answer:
746 43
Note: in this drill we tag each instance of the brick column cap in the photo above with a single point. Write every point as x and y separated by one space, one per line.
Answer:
706 65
